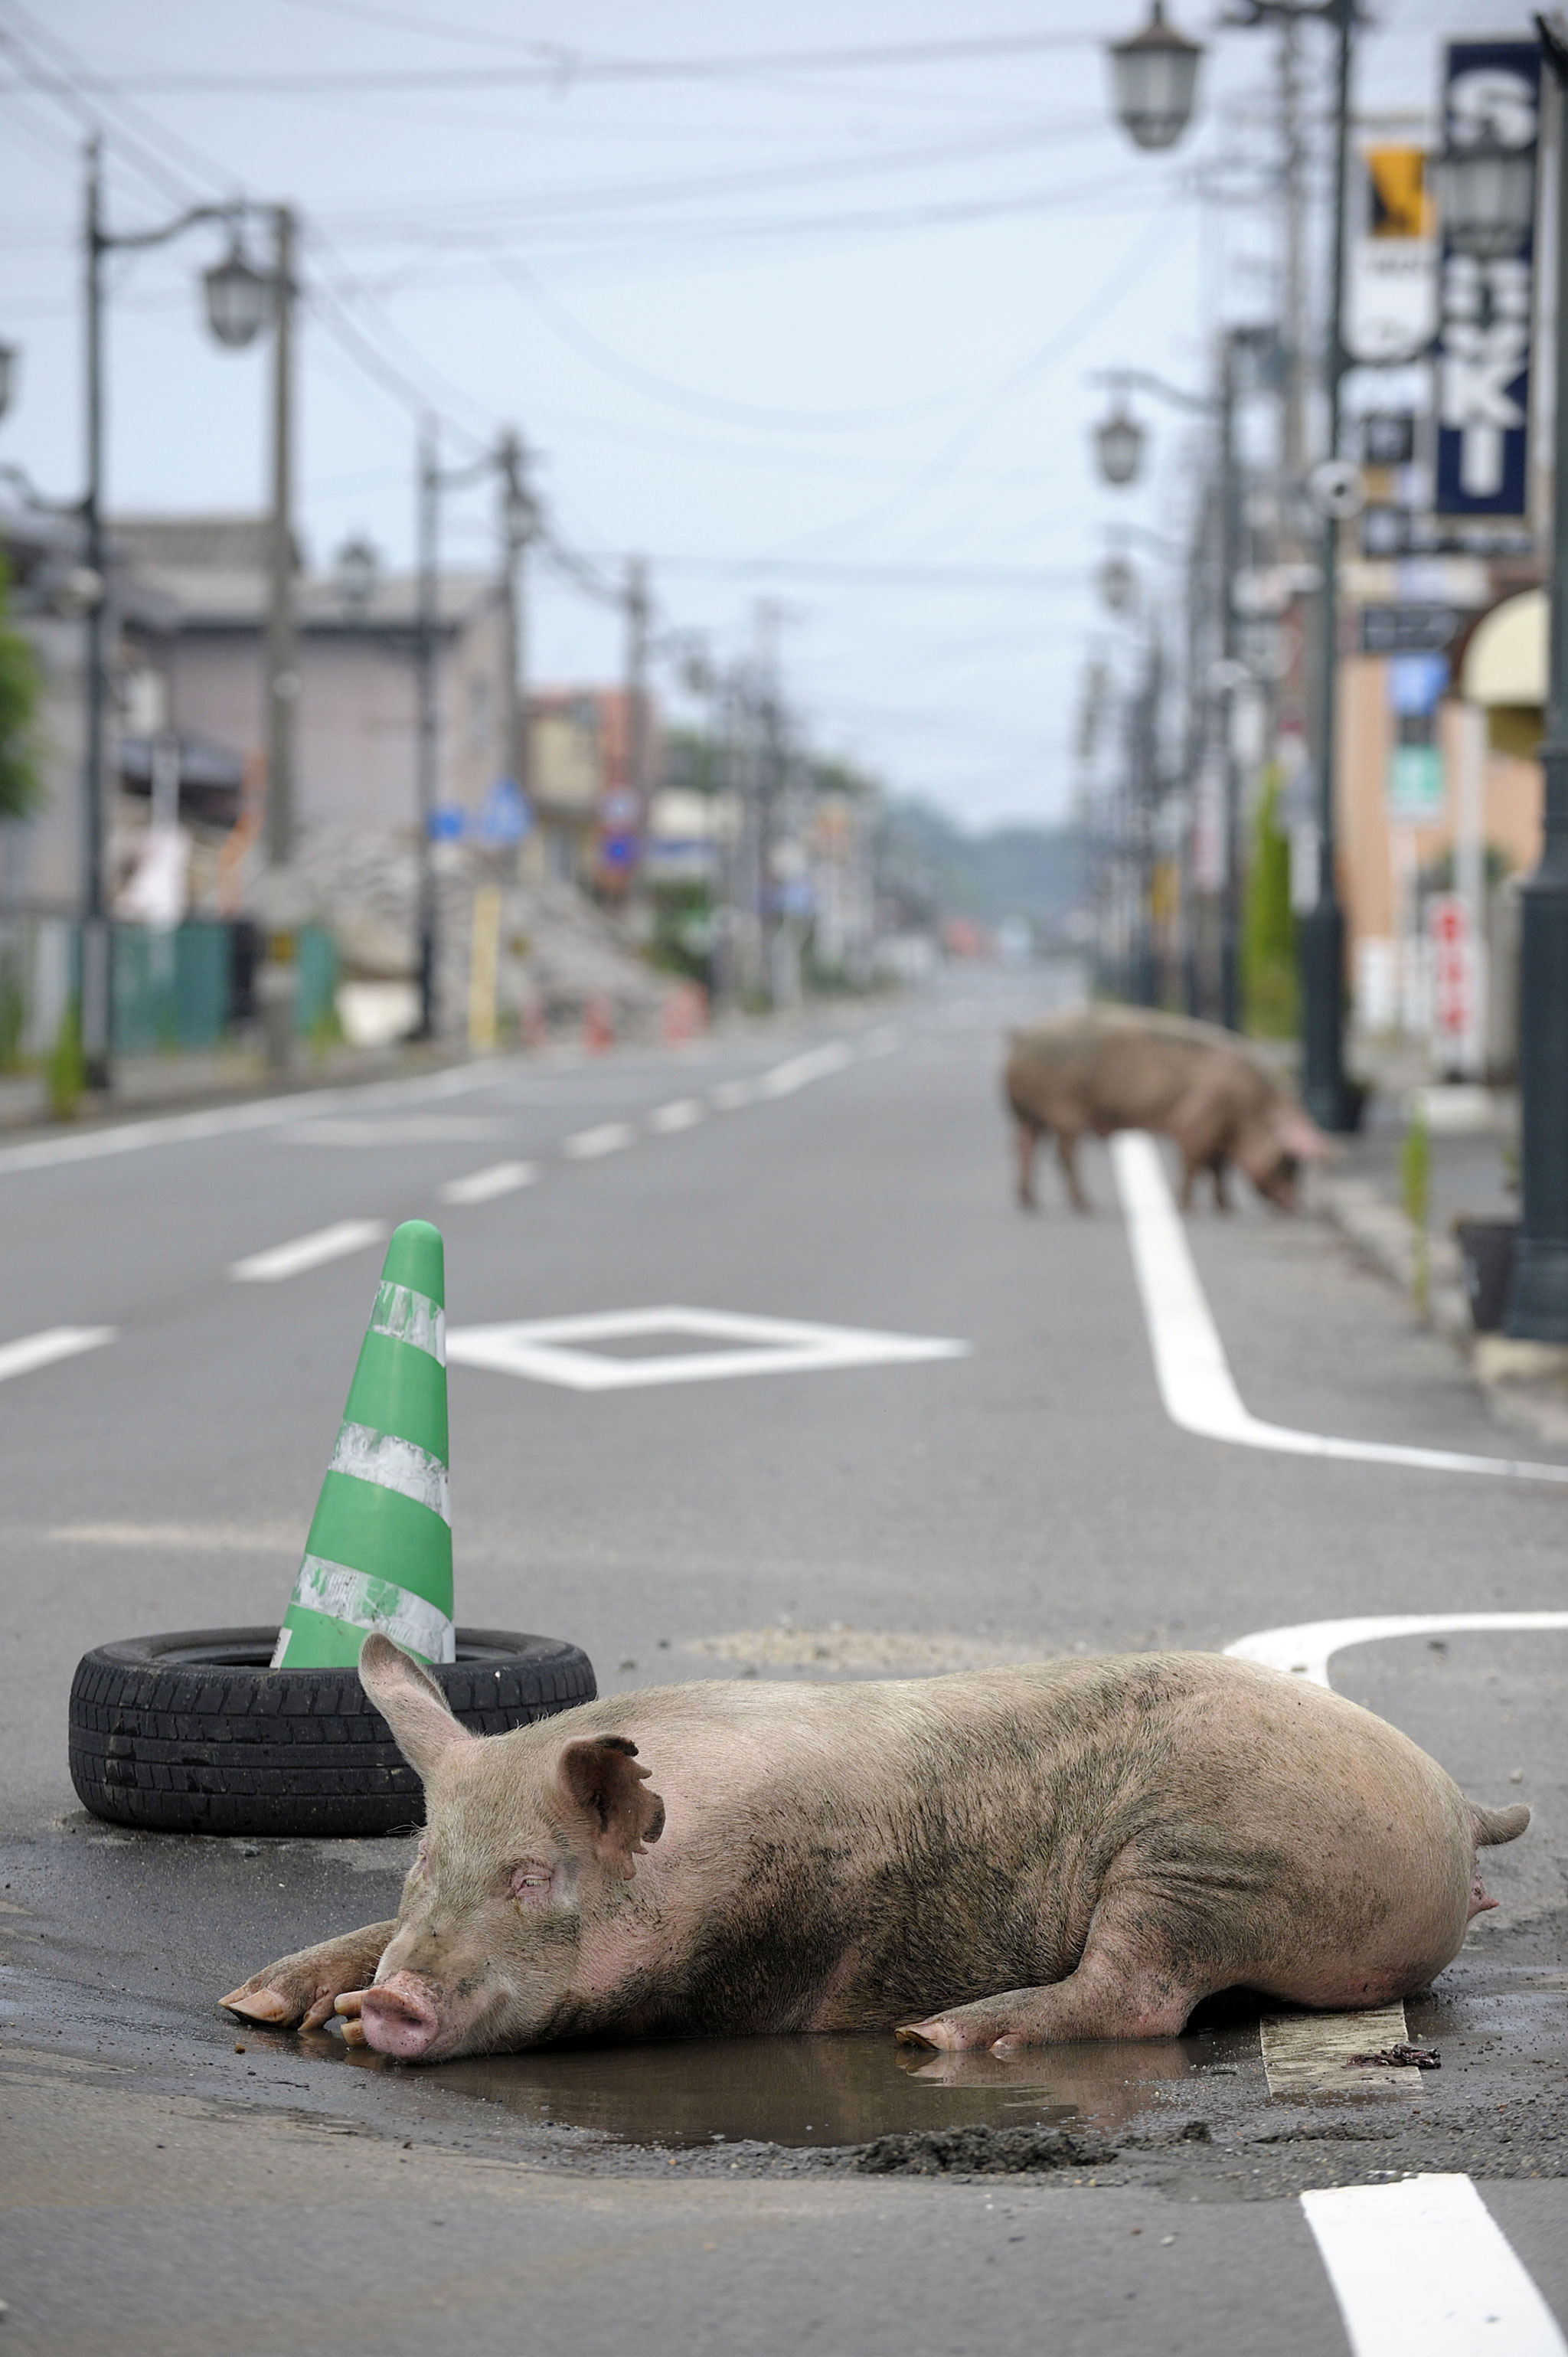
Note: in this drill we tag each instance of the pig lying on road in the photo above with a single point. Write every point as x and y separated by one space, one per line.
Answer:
1075 1850
1108 1068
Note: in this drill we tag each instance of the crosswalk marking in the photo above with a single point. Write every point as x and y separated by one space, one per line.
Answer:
41 1349
308 1251
1424 2265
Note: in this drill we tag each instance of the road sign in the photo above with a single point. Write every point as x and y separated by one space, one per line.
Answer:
1453 974
1407 629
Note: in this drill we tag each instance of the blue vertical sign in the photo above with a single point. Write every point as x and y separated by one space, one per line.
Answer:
1491 92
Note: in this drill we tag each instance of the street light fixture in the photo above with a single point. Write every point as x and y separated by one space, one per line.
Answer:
356 570
240 299
10 364
1154 79
1487 193
1119 442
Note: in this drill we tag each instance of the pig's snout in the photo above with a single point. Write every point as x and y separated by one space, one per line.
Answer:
399 2017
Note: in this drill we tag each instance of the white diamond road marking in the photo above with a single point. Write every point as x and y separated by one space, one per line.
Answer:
610 1137
1196 1385
548 1350
1424 2265
41 1349
308 1251
483 1186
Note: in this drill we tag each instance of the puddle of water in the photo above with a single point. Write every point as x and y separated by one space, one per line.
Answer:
829 2089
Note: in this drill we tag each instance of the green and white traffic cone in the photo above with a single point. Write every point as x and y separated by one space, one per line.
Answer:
380 1550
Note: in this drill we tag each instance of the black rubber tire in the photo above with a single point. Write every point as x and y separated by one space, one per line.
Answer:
195 1734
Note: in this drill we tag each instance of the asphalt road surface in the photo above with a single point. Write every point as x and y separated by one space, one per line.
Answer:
169 2183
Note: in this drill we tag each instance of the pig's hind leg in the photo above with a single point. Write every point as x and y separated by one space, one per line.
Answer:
300 1991
1127 1983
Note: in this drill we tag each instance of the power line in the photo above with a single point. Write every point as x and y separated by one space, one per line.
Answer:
570 67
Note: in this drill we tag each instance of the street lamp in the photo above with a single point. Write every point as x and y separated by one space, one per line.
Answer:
240 299
1153 80
356 570
1486 194
1119 447
10 365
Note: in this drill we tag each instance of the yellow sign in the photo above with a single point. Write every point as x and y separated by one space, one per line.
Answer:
1402 203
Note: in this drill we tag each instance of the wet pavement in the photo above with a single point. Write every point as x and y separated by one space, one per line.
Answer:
176 2181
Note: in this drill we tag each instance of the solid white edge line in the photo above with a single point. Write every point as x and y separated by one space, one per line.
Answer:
1424 2265
483 1186
1196 1385
307 1251
51 1343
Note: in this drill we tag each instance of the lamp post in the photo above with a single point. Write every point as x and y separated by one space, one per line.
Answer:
239 301
1150 74
519 522
1488 199
10 366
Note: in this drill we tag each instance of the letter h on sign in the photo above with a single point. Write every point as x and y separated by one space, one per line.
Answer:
1491 93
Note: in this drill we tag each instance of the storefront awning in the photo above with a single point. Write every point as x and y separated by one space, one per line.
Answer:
1505 662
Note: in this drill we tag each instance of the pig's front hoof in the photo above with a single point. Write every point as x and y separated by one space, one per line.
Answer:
398 2017
260 2005
938 2036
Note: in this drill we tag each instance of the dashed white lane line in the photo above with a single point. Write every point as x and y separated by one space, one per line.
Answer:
483 1186
684 1114
728 1096
41 1349
610 1137
308 1251
799 1071
414 1129
1193 1376
1424 2265
1307 1649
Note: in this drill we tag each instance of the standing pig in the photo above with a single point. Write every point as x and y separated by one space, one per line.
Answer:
1108 1068
1075 1850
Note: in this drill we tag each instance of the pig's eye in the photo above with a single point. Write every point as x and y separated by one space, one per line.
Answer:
531 1883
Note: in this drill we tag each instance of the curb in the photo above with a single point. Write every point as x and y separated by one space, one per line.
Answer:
1523 1384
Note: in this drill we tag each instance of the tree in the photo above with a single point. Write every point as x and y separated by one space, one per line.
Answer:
21 789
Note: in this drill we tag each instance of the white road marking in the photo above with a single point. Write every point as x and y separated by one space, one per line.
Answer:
223 1121
41 1349
481 1186
258 1538
1193 1376
426 1129
1309 2053
883 1042
540 1348
308 1251
1305 1650
684 1114
729 1095
1425 2265
610 1137
799 1071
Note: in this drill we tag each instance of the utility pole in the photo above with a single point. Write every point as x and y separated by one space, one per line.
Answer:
427 742
519 519
95 977
277 983
637 713
1322 930
769 778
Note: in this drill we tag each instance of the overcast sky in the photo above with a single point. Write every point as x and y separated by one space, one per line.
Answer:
803 307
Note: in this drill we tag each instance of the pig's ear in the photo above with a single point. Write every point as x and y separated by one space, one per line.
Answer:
411 1704
601 1786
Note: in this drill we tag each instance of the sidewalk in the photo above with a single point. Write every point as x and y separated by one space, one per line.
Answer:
1473 1136
191 1079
